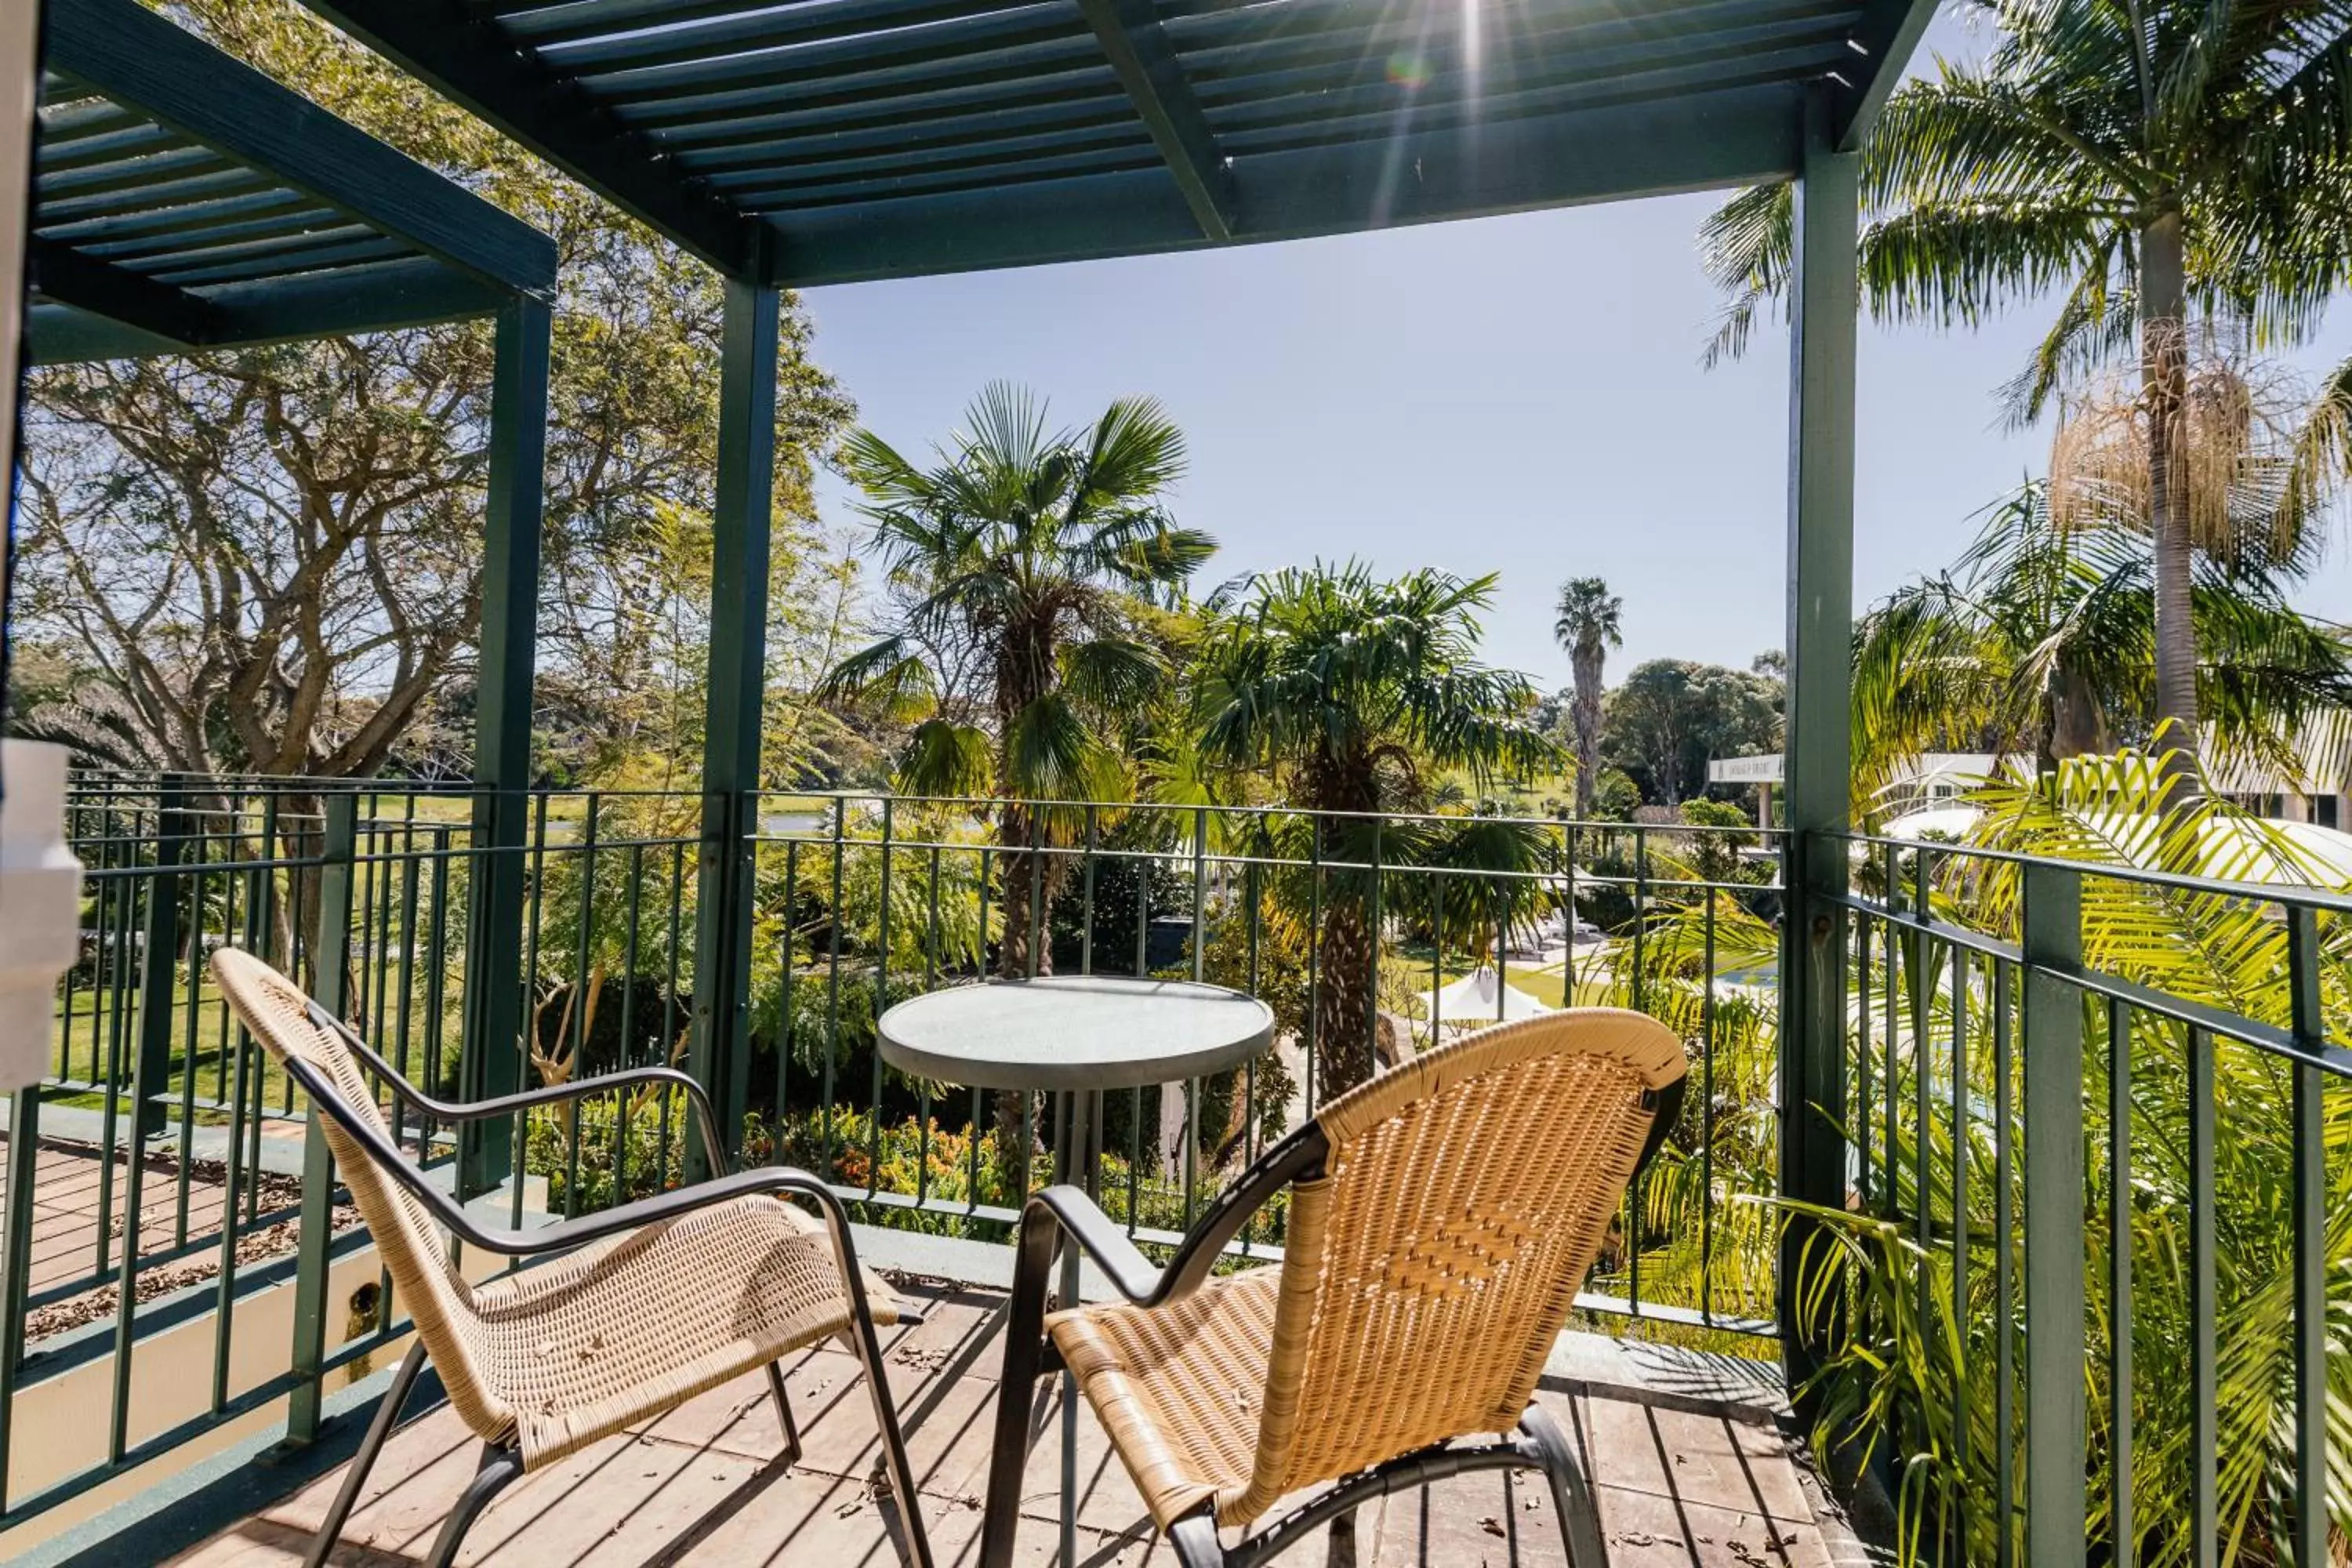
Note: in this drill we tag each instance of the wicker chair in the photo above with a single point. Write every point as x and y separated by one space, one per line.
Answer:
647 1305
1442 1220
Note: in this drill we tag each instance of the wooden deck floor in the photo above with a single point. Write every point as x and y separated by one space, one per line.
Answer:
704 1484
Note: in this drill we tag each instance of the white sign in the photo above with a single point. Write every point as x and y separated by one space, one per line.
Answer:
1745 770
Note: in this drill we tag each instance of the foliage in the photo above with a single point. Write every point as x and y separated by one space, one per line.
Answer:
2143 164
269 561
2039 644
1021 565
1672 716
1914 1373
1352 695
1715 855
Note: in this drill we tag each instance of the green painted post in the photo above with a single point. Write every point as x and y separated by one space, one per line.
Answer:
1820 630
490 1054
331 965
16 1262
720 1056
159 970
2056 1419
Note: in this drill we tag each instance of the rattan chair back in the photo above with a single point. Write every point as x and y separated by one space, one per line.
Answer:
1430 1267
437 1297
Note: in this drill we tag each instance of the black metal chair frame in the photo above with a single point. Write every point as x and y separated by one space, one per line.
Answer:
501 1463
1065 1214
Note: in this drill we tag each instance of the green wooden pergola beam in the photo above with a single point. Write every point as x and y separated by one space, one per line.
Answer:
448 43
415 293
153 308
128 53
1889 36
1146 66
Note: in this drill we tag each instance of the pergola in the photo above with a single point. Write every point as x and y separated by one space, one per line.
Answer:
830 140
799 143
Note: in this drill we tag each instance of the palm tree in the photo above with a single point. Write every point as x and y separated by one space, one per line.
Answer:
2040 643
2142 158
1357 694
1020 562
1590 624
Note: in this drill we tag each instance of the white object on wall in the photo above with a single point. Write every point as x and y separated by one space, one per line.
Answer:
40 905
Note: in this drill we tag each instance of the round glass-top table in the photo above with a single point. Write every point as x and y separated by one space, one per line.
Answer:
1075 1033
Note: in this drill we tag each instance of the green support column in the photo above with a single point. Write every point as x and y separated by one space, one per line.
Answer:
738 657
1819 743
491 1062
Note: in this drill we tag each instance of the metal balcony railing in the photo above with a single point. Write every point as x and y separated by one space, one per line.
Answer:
2083 1288
194 1154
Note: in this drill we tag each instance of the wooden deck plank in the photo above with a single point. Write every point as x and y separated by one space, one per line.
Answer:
706 1484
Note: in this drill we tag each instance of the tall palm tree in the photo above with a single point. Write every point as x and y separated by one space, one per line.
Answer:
1589 624
2142 158
2040 643
1356 694
1020 562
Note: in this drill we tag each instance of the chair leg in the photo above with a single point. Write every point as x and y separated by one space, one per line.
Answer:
784 1414
355 1475
1024 1359
1194 1538
893 1440
1572 1494
498 1467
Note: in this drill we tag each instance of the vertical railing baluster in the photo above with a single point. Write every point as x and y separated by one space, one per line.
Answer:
1923 1062
1379 923
2204 1405
1862 1097
788 949
832 987
1314 950
1087 900
1962 1394
2004 1228
2124 1544
16 1261
881 1006
1707 1120
314 1238
2311 1478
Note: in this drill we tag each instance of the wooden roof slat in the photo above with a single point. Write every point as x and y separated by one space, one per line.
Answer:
678 39
914 135
183 200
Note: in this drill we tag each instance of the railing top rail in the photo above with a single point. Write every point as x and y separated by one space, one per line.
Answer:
1189 808
2320 900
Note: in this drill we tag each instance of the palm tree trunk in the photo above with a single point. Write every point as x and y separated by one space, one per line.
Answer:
1588 729
2164 351
1023 868
1343 1000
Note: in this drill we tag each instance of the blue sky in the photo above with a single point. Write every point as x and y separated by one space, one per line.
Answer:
1519 394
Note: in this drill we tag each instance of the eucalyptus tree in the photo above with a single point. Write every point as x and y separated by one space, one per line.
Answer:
2040 643
2145 162
1023 565
1589 622
1358 696
271 560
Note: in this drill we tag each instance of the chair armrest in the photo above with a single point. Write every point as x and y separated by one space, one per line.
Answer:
1067 1211
1080 1219
455 1113
453 1216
